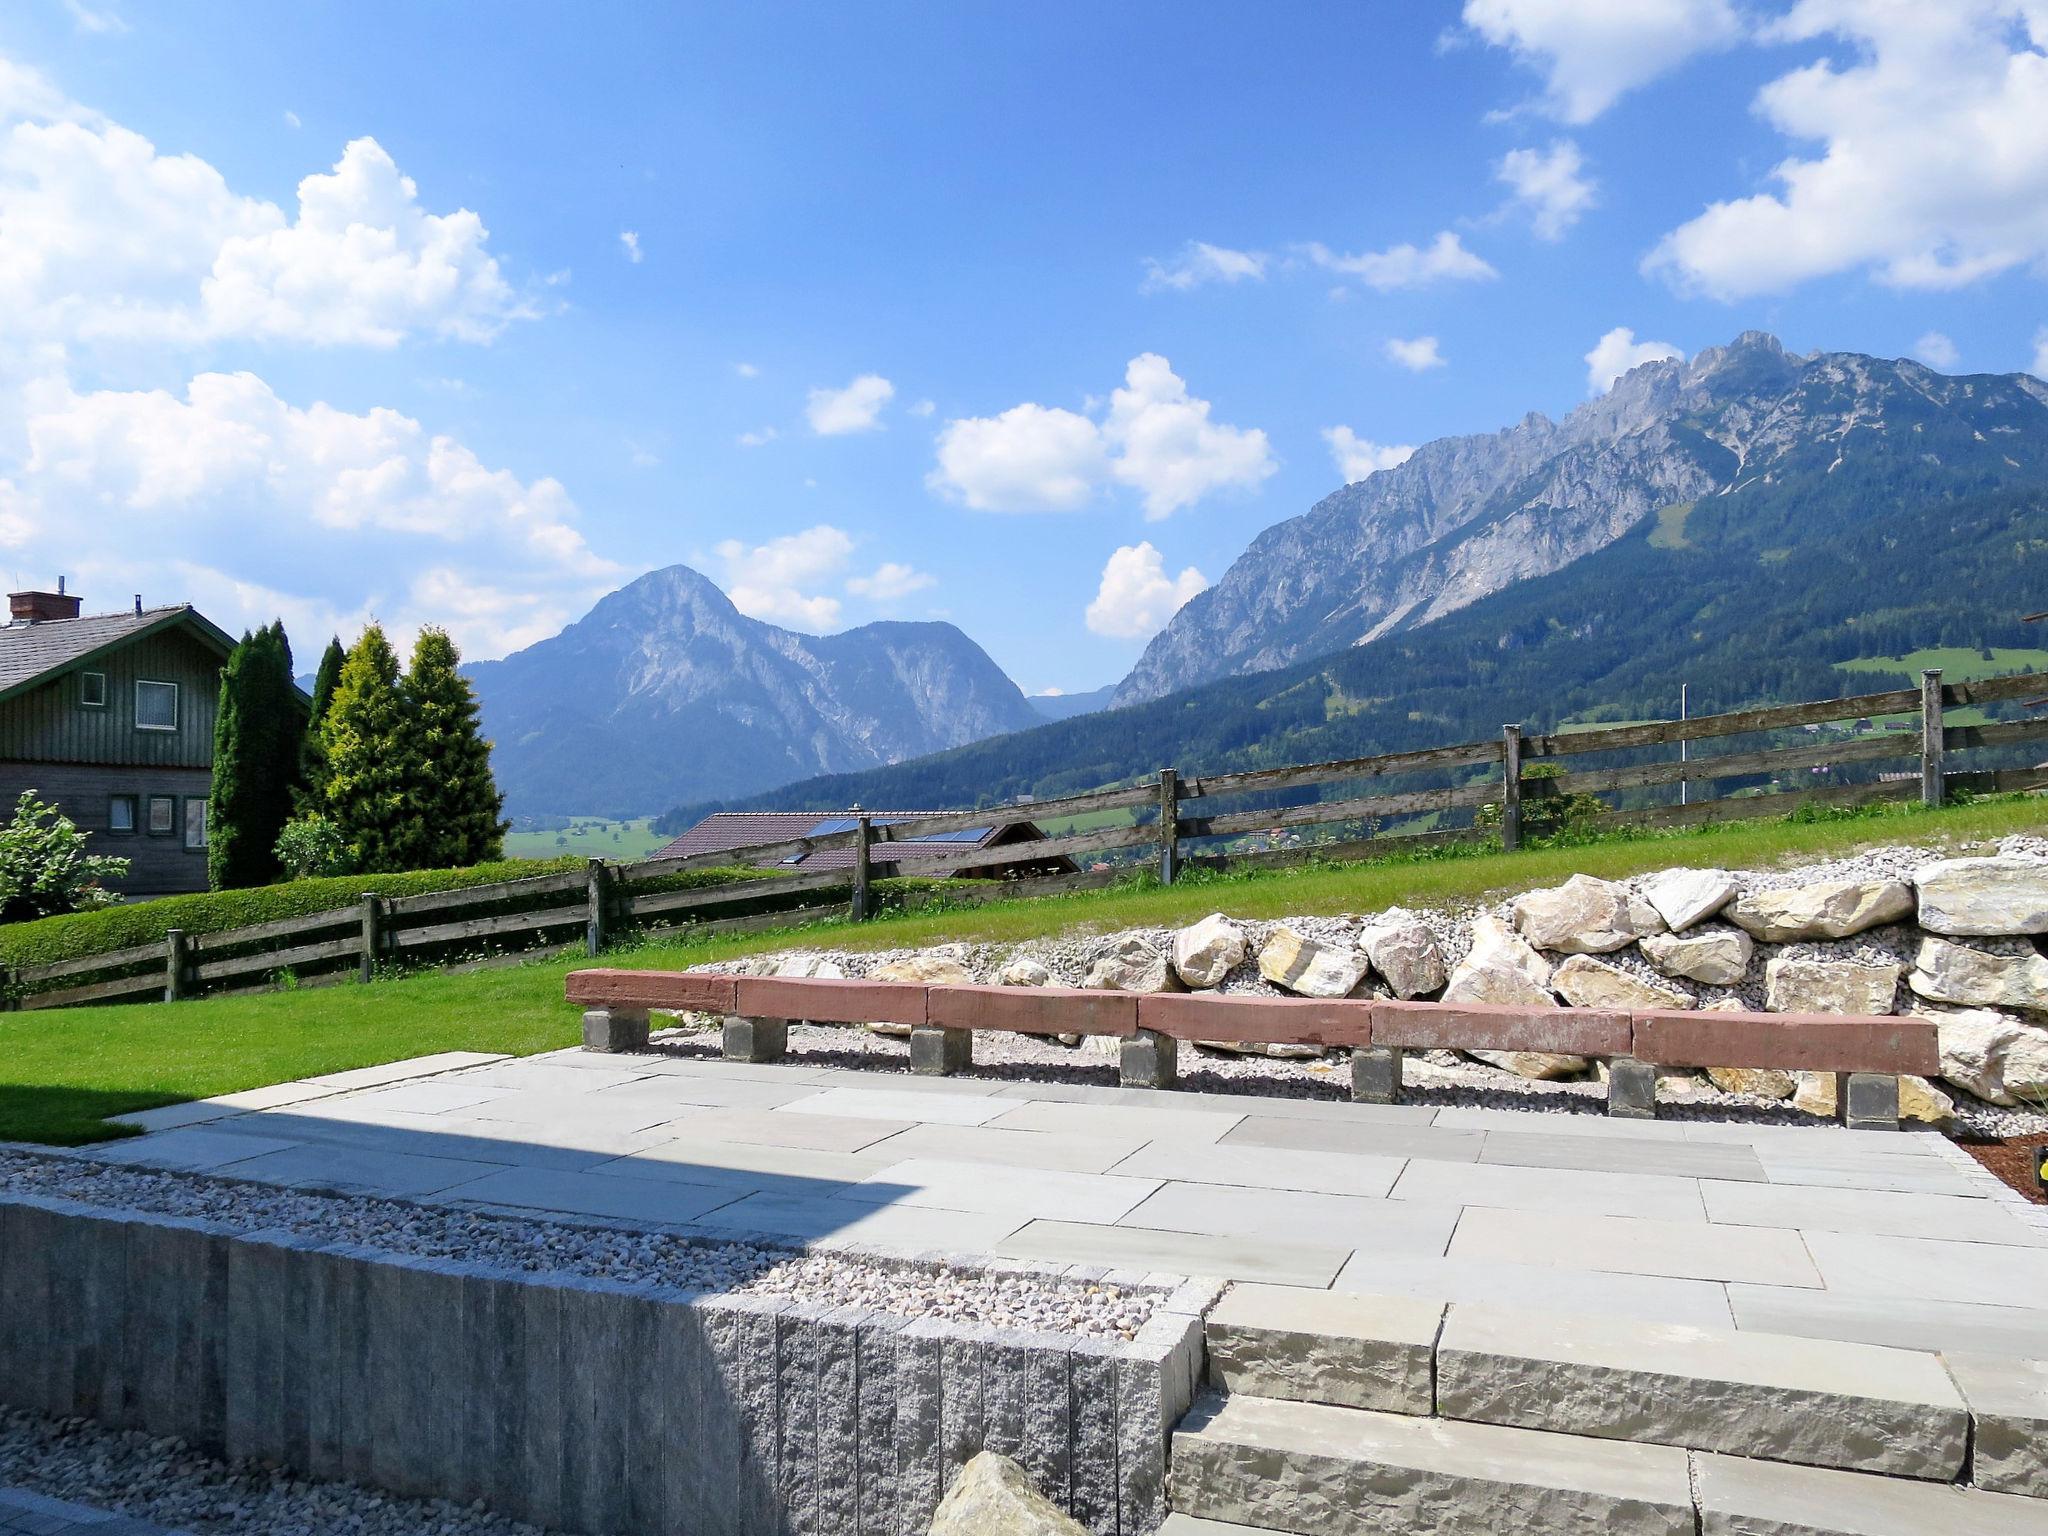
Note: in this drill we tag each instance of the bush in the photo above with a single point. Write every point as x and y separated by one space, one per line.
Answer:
44 868
311 846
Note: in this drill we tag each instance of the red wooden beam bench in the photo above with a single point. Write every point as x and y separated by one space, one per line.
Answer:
1868 1054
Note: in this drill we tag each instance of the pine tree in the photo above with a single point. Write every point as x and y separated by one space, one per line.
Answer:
460 797
255 761
372 792
312 774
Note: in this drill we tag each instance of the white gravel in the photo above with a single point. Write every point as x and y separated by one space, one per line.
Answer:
1002 1298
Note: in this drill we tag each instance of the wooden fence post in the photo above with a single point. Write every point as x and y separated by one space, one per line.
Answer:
1511 786
1169 825
174 965
373 923
596 883
1931 742
862 867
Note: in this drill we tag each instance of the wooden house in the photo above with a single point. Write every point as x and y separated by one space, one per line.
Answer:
109 717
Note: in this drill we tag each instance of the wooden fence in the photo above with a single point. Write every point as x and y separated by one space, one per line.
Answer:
1381 804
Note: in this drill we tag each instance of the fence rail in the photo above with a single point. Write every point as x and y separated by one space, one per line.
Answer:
1439 795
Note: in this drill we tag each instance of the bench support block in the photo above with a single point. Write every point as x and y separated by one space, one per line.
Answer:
755 1039
1870 1101
1148 1059
615 1029
1631 1089
1376 1074
940 1052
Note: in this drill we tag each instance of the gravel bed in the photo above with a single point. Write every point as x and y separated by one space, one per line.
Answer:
167 1483
1008 1298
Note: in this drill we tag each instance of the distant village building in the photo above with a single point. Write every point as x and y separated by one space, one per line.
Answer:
109 717
744 829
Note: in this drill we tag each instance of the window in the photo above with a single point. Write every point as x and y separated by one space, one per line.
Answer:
163 815
121 813
156 706
92 690
195 824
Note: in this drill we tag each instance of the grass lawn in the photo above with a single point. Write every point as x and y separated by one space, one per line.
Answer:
62 1072
1958 664
589 837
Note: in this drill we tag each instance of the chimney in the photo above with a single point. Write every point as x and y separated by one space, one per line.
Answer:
38 607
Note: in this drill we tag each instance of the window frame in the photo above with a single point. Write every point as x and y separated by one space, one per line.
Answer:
134 805
85 698
170 826
156 682
194 803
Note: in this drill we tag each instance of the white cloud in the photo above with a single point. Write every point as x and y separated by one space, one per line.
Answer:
1136 597
1591 52
1617 352
1937 351
746 370
291 119
1417 356
1551 185
856 408
102 23
2040 365
921 408
1356 457
629 242
770 581
1154 437
101 236
758 438
1933 170
890 582
1444 259
1200 262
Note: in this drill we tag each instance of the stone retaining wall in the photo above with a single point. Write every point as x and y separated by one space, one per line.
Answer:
573 1403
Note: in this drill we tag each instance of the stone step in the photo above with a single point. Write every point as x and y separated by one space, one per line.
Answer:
1311 1346
1318 1470
1745 1498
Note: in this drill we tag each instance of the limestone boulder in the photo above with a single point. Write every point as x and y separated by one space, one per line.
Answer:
1023 973
1406 955
1541 1066
993 1496
1713 956
1984 898
1309 969
807 966
1833 909
1683 897
1584 916
1947 972
1829 986
1918 1099
1209 951
932 968
1132 964
1500 968
1585 982
1762 1082
1993 1056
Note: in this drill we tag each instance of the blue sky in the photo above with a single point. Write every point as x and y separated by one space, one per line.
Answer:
1028 318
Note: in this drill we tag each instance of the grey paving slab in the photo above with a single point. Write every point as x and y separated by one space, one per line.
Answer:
170 1116
1330 1173
1825 1168
193 1148
403 1071
1314 1346
1015 1149
360 1170
988 1187
545 1076
25 1513
435 1096
781 1128
1904 1322
1634 1245
652 1200
1739 1497
902 1228
1816 1136
1854 1263
1296 1216
1623 1154
1177 1253
1590 1122
681 1092
276 1096
1693 1303
1889 1213
896 1077
1361 1140
559 1112
1336 1108
576 1146
1162 1124
1567 1191
2008 1401
907 1107
704 1161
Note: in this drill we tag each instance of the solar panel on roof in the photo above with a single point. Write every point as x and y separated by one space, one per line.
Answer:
964 835
833 824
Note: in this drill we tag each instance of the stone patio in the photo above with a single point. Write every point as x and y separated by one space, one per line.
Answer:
1820 1232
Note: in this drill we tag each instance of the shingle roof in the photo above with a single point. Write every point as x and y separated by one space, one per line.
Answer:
31 651
743 829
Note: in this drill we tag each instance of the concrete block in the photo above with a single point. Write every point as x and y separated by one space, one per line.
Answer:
877 1384
963 1409
2008 1401
355 1364
798 1363
1150 1397
617 1028
714 1502
755 1040
755 1383
1631 1089
494 1332
940 1052
1317 1346
1802 1400
255 1405
838 1451
1148 1060
1092 1408
920 1396
1870 1101
1764 1498
542 1447
1376 1074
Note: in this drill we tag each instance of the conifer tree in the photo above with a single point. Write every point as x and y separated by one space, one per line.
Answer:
372 792
312 774
459 796
257 732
